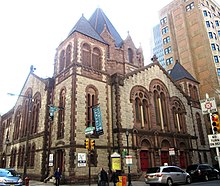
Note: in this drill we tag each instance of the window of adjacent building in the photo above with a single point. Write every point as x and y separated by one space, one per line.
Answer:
167 50
207 23
213 9
61 114
218 71
200 129
219 33
169 61
213 46
190 6
166 40
214 35
216 59
212 25
163 20
165 30
216 22
217 47
130 55
210 15
210 35
205 13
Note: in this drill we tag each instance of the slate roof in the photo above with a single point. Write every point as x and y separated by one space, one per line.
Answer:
179 72
84 27
98 20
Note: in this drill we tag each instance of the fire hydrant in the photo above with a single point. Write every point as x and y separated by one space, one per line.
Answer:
27 181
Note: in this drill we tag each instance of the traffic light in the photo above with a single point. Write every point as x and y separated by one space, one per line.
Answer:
215 123
92 144
86 143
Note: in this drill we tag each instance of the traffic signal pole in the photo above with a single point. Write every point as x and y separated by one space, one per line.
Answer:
214 132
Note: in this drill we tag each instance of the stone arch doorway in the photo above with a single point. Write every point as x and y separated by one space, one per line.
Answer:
164 157
145 160
182 156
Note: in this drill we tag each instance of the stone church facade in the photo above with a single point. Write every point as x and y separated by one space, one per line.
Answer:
154 115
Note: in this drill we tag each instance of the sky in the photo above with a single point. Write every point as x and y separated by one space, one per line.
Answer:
31 30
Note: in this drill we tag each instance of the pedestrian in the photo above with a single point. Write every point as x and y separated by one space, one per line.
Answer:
103 177
114 177
57 175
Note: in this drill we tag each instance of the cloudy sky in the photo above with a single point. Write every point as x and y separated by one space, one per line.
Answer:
32 29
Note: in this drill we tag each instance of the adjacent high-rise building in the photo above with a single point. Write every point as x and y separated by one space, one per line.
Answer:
191 35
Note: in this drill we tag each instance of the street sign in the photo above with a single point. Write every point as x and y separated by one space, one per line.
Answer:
89 130
81 159
208 105
129 160
171 151
214 140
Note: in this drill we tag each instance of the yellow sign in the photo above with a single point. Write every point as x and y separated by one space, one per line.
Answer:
116 163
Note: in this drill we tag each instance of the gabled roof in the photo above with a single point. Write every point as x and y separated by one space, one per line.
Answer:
179 72
99 20
84 27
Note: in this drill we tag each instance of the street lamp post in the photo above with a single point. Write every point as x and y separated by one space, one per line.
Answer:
129 171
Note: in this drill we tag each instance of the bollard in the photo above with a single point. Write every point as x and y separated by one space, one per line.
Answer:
27 181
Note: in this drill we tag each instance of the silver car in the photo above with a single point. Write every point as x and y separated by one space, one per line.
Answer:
168 175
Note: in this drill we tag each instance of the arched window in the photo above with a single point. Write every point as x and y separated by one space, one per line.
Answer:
29 155
140 99
91 100
68 55
195 92
17 123
96 59
19 164
13 157
178 116
61 114
200 130
130 55
62 60
157 107
138 109
160 104
32 155
86 55
36 104
26 112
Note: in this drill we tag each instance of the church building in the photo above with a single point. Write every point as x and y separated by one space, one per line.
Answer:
143 111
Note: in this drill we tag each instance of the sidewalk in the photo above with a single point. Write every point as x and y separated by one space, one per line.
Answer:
38 183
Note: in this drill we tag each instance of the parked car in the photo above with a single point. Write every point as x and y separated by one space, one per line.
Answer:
10 177
168 175
202 172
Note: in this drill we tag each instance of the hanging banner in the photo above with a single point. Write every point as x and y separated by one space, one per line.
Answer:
98 120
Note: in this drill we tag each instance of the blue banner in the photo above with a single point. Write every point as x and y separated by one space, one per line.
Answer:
98 120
